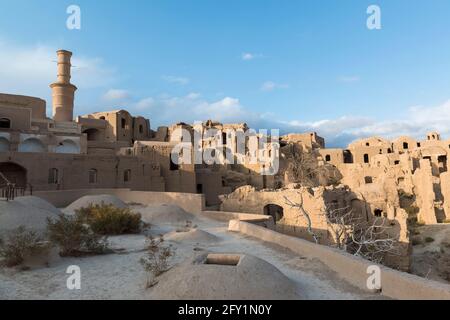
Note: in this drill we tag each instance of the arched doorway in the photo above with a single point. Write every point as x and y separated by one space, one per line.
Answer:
14 173
348 156
275 211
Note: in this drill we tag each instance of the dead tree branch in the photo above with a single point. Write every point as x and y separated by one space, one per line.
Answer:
303 213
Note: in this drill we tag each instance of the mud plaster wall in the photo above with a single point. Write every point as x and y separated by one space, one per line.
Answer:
190 202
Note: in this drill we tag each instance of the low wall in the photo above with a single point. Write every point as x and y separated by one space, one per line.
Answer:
395 284
258 219
188 201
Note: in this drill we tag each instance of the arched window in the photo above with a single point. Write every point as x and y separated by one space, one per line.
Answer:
32 145
124 123
141 129
93 176
327 158
348 157
405 145
53 176
5 123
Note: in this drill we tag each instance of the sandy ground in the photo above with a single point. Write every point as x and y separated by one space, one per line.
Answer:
120 275
432 259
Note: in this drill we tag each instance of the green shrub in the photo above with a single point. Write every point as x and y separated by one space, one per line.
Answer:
109 220
74 237
20 243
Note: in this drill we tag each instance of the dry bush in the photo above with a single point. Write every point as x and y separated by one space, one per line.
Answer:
19 244
110 220
75 238
156 262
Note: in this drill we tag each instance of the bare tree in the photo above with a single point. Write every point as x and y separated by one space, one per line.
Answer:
303 167
362 237
373 241
369 239
340 222
303 213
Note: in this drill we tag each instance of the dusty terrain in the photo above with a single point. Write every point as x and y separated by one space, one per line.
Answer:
431 252
120 275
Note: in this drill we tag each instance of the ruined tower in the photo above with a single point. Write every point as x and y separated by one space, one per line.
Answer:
63 91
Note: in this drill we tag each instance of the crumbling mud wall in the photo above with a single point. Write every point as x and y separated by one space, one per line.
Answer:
302 212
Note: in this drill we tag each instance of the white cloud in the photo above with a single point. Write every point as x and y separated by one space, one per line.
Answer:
226 108
349 79
191 108
176 79
271 86
145 103
193 95
247 56
339 132
116 95
417 122
29 70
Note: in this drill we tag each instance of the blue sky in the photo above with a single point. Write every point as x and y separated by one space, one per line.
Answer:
294 65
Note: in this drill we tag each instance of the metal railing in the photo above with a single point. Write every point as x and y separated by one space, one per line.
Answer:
11 190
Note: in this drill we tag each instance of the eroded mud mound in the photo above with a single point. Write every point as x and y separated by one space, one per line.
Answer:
165 214
85 201
223 277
